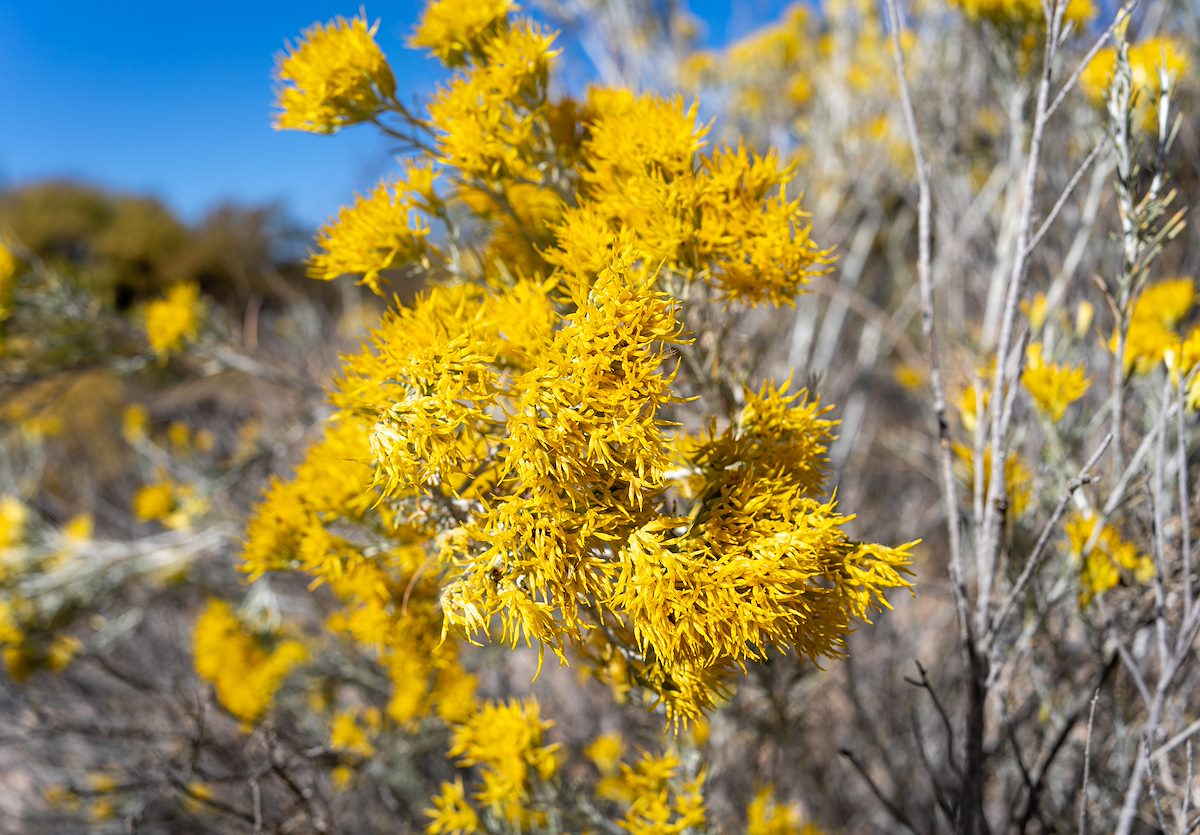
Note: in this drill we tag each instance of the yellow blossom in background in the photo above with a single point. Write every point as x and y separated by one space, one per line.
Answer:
1084 315
1052 387
8 270
505 740
61 797
451 813
347 734
335 76
79 528
909 377
1035 311
204 441
175 319
62 652
134 423
102 810
13 517
245 670
454 30
766 816
1018 479
11 615
154 502
195 795
179 435
605 752
1151 332
968 402
1101 567
1167 301
660 799
1146 59
1023 12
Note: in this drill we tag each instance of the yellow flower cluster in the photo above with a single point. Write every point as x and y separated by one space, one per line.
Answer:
388 599
1146 60
760 560
766 816
1023 12
724 218
488 117
378 232
660 799
456 30
1101 567
1152 335
350 732
452 813
335 76
1018 480
175 319
13 516
8 270
783 74
174 505
505 742
1053 387
31 634
501 464
246 670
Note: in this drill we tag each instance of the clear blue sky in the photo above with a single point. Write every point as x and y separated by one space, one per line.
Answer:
175 100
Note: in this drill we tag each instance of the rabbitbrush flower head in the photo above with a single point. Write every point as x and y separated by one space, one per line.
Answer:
506 460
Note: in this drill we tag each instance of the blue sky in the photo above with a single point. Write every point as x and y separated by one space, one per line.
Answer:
174 100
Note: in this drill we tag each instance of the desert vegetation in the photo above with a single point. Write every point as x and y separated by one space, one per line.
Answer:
629 458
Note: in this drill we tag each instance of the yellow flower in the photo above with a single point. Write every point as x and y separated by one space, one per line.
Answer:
1052 387
1018 480
451 814
455 30
8 270
377 233
505 741
605 752
1084 314
335 76
154 502
179 435
79 528
61 797
347 735
503 462
102 810
910 377
172 320
1146 59
194 795
1166 301
766 816
1100 568
134 423
487 119
1023 12
659 798
62 652
1035 310
245 670
13 517
1151 332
